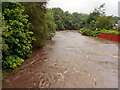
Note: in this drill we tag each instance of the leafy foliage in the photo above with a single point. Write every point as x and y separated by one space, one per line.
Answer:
97 22
42 22
104 22
59 16
68 21
85 31
36 12
16 36
95 33
116 32
51 26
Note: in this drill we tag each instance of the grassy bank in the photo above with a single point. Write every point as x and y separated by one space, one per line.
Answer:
95 33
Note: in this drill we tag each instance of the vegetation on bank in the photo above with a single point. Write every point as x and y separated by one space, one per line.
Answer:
116 32
68 21
42 22
16 36
98 22
95 33
25 26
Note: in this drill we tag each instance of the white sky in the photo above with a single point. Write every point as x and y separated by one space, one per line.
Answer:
85 6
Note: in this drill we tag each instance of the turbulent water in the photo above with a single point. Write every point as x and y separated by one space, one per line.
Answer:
70 60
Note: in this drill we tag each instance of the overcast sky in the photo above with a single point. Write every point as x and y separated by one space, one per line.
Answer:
85 6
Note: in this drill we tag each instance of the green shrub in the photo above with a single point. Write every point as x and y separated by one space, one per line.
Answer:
16 36
116 32
95 33
85 31
12 61
92 25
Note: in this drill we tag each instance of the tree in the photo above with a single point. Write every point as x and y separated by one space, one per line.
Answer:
115 19
37 17
93 16
51 26
104 22
78 20
101 10
68 20
59 18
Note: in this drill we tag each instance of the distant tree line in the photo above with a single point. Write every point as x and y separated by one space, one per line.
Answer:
68 21
76 21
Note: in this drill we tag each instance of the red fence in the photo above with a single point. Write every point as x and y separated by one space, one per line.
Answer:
110 36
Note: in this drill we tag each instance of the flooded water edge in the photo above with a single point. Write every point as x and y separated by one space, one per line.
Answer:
70 60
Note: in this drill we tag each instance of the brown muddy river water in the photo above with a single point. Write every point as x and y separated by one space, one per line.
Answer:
70 60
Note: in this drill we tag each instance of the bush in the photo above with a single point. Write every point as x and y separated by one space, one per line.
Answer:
116 32
12 61
95 33
16 36
89 32
85 31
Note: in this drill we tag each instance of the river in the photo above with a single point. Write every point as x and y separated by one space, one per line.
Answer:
69 60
